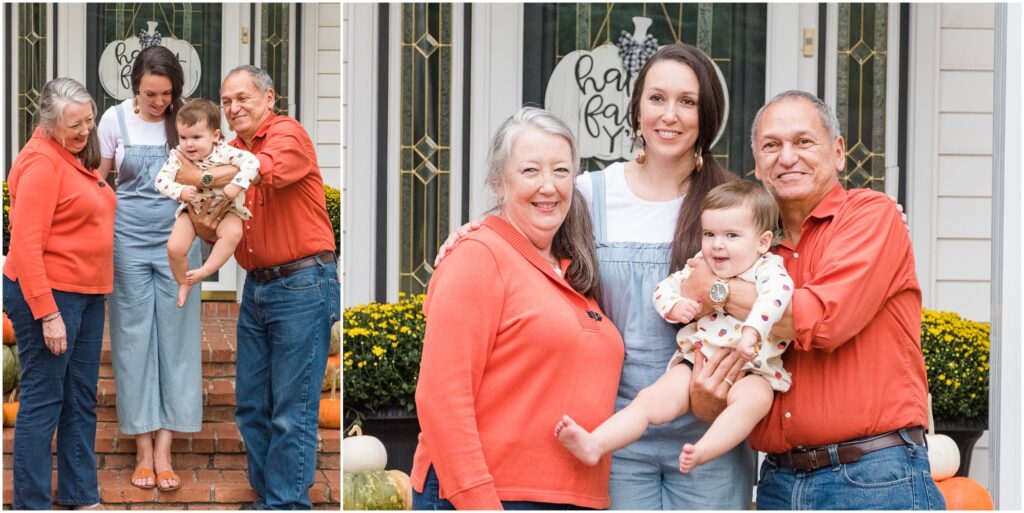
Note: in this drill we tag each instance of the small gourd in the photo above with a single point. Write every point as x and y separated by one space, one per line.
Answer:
362 453
335 339
943 454
330 409
377 490
8 332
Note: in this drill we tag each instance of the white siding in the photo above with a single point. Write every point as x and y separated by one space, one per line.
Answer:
328 92
958 168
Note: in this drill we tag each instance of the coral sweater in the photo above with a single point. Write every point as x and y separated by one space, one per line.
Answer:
62 226
509 348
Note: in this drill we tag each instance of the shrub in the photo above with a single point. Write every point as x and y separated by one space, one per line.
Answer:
382 344
333 199
956 357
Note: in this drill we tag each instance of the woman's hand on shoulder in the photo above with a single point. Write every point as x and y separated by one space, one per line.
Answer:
454 238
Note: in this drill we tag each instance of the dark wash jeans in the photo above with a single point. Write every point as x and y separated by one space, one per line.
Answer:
284 334
428 500
894 478
57 392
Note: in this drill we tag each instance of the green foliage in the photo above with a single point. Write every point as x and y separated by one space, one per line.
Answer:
333 197
381 349
7 218
956 357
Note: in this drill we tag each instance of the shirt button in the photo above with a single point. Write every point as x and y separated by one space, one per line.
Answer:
788 415
796 255
250 251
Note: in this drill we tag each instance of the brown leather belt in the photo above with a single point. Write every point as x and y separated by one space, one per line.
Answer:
806 459
284 270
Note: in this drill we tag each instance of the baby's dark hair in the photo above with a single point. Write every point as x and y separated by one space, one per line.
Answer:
763 208
198 109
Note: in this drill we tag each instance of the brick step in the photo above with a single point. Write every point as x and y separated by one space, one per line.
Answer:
218 445
218 348
216 392
200 489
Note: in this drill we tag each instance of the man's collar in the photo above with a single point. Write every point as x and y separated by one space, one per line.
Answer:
829 205
260 132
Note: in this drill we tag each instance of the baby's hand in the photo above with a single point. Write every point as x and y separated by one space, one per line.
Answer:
683 311
232 190
748 344
187 193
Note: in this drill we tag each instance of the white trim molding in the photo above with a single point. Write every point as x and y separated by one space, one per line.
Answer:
1004 399
359 164
786 67
922 141
497 85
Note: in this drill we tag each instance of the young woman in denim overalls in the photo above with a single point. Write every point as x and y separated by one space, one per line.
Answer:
635 207
155 345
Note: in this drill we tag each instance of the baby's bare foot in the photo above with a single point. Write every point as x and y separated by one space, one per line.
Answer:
691 457
580 443
183 290
197 275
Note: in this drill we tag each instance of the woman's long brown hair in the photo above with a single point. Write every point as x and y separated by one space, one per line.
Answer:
710 104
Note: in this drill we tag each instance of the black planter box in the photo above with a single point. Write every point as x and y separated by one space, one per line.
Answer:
398 431
965 435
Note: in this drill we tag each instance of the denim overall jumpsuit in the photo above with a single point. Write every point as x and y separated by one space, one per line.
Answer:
155 344
645 475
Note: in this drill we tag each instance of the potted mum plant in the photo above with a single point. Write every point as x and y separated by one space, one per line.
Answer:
956 356
382 346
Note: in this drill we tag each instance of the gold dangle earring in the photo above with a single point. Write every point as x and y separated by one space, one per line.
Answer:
135 104
699 159
640 157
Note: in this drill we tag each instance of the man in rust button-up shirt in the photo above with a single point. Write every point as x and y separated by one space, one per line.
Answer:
855 319
291 296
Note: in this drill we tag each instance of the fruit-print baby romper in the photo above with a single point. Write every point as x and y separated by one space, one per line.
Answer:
248 167
719 329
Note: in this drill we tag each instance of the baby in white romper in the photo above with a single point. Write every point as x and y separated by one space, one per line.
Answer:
200 141
738 220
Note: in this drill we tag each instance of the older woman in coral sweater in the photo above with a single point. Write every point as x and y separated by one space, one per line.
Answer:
514 335
57 271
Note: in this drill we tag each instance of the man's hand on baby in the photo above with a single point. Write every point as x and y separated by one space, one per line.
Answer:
232 190
187 193
684 310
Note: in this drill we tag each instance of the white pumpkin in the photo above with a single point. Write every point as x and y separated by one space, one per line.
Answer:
943 456
362 453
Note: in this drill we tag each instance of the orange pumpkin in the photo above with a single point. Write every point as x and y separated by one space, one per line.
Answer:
8 332
964 493
330 409
10 413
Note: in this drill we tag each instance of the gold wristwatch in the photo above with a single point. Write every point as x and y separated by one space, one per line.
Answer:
719 294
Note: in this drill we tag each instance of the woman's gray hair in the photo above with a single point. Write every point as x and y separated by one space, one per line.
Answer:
575 238
57 94
261 79
828 118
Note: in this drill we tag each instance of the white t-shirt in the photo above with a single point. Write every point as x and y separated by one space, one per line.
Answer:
139 132
629 218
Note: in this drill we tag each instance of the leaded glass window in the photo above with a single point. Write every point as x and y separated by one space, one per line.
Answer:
732 34
860 92
425 153
33 43
275 23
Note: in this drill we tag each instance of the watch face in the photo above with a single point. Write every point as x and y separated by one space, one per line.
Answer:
719 292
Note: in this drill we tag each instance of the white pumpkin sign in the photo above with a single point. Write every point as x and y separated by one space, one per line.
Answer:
118 57
590 92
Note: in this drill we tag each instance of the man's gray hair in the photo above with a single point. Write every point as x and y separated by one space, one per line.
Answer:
261 79
828 118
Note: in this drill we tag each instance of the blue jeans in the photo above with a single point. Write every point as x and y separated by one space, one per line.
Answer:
57 392
428 500
894 478
284 334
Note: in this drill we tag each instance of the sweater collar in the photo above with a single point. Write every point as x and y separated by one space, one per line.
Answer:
525 248
43 138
